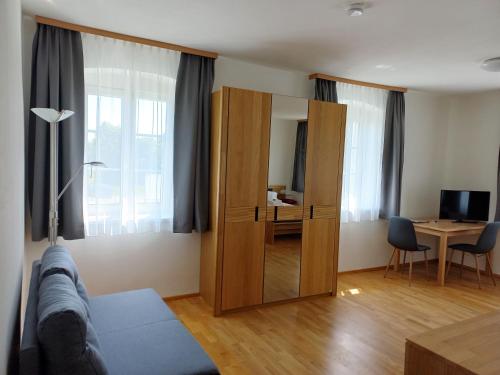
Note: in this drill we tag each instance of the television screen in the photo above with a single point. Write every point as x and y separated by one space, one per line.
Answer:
464 205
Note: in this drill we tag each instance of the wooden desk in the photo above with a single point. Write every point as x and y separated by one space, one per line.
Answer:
467 347
445 229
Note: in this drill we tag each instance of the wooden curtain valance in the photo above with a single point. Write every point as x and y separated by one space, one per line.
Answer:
359 83
128 38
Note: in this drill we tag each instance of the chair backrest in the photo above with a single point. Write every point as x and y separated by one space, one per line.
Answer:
402 234
488 237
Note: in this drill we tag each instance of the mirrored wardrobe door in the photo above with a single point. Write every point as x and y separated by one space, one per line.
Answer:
284 215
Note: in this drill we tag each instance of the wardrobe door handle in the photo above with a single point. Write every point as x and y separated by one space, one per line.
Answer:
256 213
311 212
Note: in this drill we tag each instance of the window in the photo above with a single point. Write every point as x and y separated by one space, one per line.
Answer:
130 91
363 151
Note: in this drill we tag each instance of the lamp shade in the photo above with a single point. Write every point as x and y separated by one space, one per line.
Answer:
52 115
491 65
96 164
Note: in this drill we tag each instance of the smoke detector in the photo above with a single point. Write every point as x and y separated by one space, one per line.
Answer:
491 65
356 9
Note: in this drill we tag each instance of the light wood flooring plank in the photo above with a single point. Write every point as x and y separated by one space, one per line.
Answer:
361 331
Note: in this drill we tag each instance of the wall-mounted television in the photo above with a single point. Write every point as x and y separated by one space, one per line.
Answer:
463 205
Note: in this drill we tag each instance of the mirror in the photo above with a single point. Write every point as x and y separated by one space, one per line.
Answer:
287 158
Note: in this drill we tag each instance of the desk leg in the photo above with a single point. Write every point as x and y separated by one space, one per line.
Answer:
396 260
443 246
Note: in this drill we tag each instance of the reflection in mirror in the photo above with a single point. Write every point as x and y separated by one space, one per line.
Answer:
287 157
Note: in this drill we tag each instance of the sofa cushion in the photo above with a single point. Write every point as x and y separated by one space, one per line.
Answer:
68 341
114 312
82 291
155 349
56 259
29 355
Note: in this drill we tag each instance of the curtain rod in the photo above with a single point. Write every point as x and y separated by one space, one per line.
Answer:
359 83
128 38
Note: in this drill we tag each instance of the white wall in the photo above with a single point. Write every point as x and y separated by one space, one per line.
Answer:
282 152
241 74
473 143
12 175
472 148
164 261
364 245
170 262
425 151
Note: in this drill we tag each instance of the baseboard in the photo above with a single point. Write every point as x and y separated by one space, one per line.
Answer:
431 261
362 270
180 296
379 268
473 269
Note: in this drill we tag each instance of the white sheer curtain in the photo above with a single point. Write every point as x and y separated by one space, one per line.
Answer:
363 151
130 90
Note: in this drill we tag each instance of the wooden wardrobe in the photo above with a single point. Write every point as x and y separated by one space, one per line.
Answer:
233 250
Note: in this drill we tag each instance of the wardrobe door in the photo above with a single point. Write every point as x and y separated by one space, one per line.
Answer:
246 198
323 183
243 266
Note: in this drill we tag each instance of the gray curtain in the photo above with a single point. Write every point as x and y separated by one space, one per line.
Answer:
393 155
193 90
299 163
497 213
325 90
56 82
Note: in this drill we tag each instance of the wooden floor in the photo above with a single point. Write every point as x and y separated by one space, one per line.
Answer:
362 331
282 268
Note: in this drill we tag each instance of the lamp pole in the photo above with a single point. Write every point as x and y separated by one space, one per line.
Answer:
53 117
54 164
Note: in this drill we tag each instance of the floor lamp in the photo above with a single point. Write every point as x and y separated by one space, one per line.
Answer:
53 117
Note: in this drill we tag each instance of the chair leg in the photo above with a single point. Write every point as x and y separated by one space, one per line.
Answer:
390 261
477 272
488 262
411 268
426 265
404 262
462 264
449 262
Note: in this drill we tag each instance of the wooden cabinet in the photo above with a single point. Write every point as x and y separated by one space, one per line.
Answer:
232 251
247 148
317 262
242 270
323 185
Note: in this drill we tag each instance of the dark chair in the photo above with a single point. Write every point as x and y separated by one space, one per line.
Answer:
403 237
484 245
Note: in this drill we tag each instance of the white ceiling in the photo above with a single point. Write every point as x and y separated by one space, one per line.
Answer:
421 44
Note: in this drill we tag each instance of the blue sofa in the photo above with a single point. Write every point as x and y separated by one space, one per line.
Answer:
129 333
